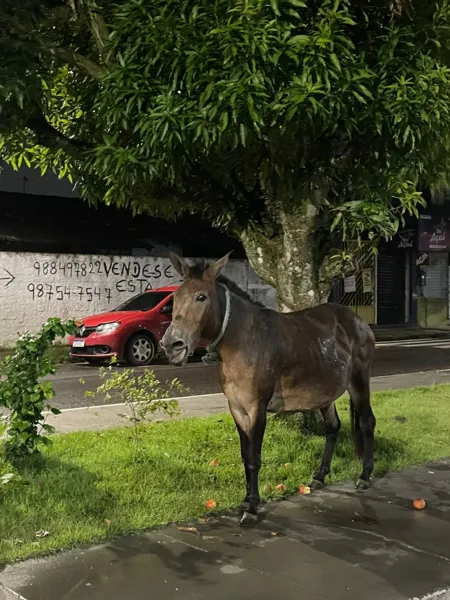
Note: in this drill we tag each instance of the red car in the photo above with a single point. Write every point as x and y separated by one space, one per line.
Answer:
131 332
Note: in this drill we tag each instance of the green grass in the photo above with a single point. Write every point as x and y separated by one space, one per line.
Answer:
87 479
59 354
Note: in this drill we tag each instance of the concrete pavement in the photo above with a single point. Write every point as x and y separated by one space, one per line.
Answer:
331 545
106 416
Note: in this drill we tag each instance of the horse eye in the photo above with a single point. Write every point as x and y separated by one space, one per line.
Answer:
201 298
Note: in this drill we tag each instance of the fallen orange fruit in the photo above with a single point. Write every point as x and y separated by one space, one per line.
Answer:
210 504
281 488
267 489
287 465
305 490
214 463
419 503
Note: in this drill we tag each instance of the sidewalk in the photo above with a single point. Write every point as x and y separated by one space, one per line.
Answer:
106 416
409 332
331 545
6 594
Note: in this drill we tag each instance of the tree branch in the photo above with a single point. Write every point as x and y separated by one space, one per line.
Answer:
75 59
50 137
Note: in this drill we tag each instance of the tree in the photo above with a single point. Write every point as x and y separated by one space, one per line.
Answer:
294 124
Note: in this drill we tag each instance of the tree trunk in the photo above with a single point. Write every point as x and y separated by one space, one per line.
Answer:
289 263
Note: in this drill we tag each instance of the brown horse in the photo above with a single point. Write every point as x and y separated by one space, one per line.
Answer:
303 360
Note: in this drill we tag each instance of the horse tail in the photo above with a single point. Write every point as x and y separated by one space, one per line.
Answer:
356 431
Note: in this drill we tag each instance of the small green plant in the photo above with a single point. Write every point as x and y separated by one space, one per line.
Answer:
6 478
143 395
5 475
24 394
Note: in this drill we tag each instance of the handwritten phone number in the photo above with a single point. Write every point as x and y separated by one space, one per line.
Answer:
133 269
62 292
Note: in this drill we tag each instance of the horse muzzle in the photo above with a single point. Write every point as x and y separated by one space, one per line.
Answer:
177 351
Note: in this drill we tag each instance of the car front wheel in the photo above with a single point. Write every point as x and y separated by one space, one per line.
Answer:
140 350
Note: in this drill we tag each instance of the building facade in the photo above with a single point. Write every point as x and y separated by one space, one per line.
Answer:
44 223
407 281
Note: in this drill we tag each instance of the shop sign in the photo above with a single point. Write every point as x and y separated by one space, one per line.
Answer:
349 284
422 259
434 232
367 281
405 239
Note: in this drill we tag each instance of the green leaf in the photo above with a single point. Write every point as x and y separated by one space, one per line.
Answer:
335 61
243 133
337 219
274 5
406 133
206 94
365 91
359 97
48 428
223 121
6 478
299 40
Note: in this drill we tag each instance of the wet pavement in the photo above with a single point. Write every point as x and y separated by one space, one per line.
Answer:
336 544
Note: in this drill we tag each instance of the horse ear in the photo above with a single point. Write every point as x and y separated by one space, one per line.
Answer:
179 264
213 271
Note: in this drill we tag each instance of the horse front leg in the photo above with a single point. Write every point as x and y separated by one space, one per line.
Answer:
244 440
258 427
251 426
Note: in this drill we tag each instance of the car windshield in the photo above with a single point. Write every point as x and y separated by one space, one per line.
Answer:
143 302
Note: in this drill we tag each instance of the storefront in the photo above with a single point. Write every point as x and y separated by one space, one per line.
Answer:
358 289
393 279
407 282
430 285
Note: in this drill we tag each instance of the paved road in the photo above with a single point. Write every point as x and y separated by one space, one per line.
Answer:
391 358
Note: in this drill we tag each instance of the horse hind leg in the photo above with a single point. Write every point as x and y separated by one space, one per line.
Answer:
332 427
363 423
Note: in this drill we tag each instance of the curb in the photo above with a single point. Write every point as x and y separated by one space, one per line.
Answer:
412 336
7 594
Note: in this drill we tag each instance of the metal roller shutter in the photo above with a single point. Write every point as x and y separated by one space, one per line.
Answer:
391 289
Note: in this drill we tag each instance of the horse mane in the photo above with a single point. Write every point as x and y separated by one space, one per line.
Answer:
197 269
235 289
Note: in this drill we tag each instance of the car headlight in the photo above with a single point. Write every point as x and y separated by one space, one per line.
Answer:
107 328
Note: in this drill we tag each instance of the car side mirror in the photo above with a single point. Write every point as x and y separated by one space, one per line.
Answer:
166 309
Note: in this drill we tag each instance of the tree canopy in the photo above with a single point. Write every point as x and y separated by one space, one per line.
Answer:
282 120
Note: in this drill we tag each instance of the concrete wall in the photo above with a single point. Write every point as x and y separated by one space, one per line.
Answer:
34 287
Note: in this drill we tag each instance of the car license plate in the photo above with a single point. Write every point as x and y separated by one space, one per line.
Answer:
78 343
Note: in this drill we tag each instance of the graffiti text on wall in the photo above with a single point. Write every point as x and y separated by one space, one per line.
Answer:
128 268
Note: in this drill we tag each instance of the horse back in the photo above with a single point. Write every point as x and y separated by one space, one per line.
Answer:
317 352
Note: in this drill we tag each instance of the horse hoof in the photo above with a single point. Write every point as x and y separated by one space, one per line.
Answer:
316 484
363 484
248 519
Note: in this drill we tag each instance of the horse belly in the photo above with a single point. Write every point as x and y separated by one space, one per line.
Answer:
292 395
